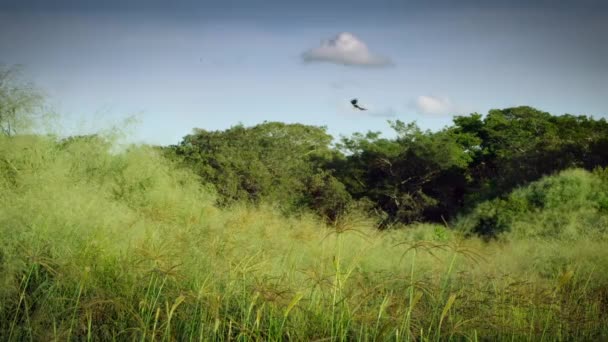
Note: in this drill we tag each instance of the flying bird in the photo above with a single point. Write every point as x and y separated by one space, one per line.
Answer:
354 103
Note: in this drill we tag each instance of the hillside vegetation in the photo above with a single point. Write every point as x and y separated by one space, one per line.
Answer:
128 246
272 233
568 206
417 176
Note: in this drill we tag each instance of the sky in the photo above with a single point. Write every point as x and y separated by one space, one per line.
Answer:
184 64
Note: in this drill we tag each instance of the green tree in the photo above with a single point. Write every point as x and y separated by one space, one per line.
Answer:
416 176
521 144
19 101
273 162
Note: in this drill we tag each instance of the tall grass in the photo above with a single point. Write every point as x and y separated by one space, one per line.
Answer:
125 246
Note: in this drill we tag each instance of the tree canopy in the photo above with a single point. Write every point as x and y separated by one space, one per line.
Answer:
419 175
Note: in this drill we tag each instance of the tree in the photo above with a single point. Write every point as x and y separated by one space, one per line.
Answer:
18 102
416 176
519 145
419 175
326 196
273 162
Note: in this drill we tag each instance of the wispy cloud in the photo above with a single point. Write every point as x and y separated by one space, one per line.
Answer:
345 49
434 105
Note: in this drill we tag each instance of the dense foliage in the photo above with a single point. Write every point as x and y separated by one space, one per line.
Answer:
271 162
566 206
415 176
99 245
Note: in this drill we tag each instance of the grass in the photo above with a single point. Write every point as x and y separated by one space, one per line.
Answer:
100 245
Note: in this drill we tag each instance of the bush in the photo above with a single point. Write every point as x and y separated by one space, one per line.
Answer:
568 205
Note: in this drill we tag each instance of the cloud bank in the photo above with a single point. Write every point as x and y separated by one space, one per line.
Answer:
345 49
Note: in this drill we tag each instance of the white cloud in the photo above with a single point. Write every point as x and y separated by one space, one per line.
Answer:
345 49
433 105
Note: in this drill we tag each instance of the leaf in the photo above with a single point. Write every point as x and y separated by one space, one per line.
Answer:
447 307
293 303
417 298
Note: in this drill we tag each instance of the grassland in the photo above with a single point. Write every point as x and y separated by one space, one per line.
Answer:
107 245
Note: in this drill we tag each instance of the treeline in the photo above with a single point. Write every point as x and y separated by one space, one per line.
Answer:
416 176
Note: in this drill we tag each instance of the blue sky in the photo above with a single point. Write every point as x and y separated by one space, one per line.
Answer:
212 64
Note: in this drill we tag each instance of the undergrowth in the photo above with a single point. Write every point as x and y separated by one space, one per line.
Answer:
100 245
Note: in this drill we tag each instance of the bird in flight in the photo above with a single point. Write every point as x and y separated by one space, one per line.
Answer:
354 103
